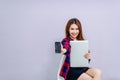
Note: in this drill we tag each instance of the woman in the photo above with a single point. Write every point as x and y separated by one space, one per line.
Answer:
74 32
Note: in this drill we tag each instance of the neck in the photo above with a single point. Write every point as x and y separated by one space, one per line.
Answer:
74 39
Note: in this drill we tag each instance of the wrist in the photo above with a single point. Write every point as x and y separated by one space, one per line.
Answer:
89 60
63 50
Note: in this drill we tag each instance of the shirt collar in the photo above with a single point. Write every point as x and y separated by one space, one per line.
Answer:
70 38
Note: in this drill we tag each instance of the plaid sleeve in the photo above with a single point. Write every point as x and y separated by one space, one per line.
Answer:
66 65
65 44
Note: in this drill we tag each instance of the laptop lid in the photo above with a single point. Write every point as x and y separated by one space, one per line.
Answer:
78 50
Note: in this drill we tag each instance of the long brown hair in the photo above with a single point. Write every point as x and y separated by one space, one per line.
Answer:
77 22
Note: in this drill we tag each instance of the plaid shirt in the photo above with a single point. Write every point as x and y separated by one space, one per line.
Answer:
66 65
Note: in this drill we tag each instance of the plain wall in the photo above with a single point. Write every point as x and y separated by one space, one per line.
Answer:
28 30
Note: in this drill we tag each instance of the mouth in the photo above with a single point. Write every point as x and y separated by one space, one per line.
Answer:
74 34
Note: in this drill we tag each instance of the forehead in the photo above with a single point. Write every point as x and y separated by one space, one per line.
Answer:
73 26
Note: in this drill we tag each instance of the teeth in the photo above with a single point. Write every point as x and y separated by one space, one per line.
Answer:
73 34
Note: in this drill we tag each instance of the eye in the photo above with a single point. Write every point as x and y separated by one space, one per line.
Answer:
72 28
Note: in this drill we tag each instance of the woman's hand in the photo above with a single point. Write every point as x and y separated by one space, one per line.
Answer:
87 55
63 50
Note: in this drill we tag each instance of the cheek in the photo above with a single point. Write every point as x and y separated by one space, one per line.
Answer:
71 31
78 31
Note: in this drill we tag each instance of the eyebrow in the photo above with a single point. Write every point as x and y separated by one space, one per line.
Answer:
74 28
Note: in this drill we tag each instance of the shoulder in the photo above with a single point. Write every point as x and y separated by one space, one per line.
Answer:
66 39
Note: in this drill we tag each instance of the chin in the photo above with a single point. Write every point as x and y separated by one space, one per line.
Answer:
74 37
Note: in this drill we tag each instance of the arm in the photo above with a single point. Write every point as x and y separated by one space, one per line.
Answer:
63 50
65 46
88 56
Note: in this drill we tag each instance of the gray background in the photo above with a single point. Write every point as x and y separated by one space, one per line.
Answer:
28 30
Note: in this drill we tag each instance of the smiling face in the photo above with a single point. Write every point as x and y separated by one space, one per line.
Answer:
74 31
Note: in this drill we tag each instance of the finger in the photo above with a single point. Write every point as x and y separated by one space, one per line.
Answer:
61 45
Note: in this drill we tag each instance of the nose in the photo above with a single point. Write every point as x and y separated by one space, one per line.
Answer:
75 31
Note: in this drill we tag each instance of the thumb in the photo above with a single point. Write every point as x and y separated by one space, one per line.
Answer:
61 45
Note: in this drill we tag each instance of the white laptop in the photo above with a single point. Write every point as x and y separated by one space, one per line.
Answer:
78 50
